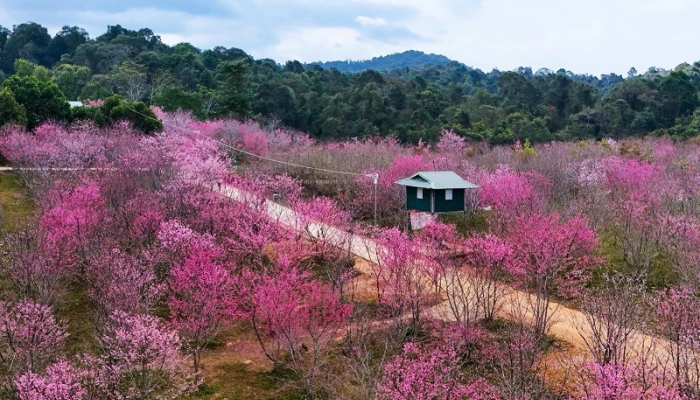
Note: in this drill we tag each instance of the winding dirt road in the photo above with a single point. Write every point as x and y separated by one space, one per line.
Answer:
567 324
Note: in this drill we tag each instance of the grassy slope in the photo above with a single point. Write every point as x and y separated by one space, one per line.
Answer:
235 368
15 205
15 208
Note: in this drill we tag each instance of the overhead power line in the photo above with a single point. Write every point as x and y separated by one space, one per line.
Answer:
258 155
374 176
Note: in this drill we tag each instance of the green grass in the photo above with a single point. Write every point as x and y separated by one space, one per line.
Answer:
75 313
231 372
15 208
15 204
660 272
467 224
234 381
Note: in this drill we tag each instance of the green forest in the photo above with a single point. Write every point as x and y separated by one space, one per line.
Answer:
402 97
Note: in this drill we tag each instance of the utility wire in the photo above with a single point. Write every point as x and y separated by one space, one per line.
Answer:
258 155
374 176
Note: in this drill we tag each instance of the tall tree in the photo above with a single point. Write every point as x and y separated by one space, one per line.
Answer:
71 79
680 98
131 81
518 92
552 255
66 41
29 40
4 34
234 92
11 112
42 100
116 108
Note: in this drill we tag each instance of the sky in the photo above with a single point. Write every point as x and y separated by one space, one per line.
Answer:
584 36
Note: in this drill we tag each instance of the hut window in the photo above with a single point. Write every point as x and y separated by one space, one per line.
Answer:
448 194
419 193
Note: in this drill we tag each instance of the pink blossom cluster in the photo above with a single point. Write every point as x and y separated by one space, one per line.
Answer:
430 374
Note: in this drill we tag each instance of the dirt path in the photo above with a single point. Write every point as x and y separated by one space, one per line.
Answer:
567 324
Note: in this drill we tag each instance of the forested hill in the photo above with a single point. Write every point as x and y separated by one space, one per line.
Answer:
134 69
407 59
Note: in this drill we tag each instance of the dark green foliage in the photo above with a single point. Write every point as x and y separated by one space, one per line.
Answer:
278 100
679 96
172 98
42 100
116 108
4 33
11 112
29 40
66 41
234 91
71 79
93 114
410 96
518 93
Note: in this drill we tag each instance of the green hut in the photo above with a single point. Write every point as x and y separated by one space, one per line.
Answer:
435 191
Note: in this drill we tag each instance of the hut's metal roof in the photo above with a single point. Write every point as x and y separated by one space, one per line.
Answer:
436 180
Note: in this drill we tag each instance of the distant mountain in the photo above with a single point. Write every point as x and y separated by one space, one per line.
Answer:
410 58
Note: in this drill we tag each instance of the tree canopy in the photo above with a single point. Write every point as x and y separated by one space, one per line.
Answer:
410 96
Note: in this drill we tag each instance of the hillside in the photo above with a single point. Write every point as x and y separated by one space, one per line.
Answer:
411 96
407 59
144 281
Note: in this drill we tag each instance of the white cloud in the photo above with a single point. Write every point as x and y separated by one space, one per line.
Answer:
593 36
368 21
319 43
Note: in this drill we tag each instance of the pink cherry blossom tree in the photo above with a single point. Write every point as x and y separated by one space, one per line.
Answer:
30 339
254 141
201 297
34 265
72 216
140 360
323 223
611 382
430 374
118 281
553 256
326 225
620 382
613 315
636 209
401 275
296 320
53 146
681 240
61 381
178 240
243 226
516 361
438 243
451 143
508 194
473 288
678 319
